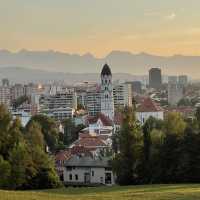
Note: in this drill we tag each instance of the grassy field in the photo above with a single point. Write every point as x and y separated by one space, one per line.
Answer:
152 192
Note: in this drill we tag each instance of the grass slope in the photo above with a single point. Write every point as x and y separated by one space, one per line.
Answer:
152 192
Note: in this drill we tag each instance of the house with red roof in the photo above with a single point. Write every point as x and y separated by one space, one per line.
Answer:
99 125
64 155
148 108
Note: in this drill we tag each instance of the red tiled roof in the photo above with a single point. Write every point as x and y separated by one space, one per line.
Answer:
148 106
77 150
63 155
88 142
68 153
104 119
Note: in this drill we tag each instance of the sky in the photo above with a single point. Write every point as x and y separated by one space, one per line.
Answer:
161 27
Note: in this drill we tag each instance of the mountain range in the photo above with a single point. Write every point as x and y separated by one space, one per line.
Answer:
119 61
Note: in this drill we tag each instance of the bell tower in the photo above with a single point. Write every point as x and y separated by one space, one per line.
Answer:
107 101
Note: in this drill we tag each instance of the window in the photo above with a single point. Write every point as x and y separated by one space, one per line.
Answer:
92 173
70 177
76 176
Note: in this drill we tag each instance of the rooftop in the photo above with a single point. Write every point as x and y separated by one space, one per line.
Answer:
148 106
86 162
106 71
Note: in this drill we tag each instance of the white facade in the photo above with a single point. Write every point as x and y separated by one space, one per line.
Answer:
23 116
5 95
99 128
143 116
107 100
122 95
93 102
87 174
60 114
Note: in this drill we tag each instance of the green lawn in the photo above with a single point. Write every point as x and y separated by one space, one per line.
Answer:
152 192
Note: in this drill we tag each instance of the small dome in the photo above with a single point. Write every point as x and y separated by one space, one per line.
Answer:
106 71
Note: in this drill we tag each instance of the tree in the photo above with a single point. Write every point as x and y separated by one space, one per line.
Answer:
22 168
174 124
184 102
152 140
71 131
23 161
125 162
19 101
197 117
34 135
49 130
46 176
5 124
5 170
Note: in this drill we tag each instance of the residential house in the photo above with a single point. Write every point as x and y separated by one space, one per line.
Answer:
147 109
87 171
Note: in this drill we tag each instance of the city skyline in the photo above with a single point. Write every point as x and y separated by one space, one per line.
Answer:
99 27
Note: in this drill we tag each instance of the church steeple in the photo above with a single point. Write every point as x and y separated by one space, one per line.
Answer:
107 102
106 70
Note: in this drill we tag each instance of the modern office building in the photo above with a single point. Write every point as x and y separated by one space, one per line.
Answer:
155 78
175 93
183 80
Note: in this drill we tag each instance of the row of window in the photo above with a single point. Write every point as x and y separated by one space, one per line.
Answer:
71 177
76 176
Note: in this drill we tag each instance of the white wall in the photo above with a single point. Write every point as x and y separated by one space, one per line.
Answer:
80 171
143 116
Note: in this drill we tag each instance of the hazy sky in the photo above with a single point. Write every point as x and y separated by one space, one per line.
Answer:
163 27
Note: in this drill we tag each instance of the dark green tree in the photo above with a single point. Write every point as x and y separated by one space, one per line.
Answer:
125 162
49 130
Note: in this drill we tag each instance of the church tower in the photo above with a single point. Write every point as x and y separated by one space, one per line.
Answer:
107 101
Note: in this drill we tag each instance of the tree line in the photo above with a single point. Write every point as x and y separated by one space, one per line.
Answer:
24 164
24 160
160 151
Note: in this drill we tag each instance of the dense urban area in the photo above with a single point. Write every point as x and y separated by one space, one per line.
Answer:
100 133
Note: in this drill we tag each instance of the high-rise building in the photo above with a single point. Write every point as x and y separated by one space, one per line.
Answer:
5 82
122 95
175 93
183 80
136 87
93 102
172 79
155 78
17 91
107 100
5 96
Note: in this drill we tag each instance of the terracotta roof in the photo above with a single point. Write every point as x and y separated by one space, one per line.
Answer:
63 155
90 142
68 153
148 106
104 119
77 150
